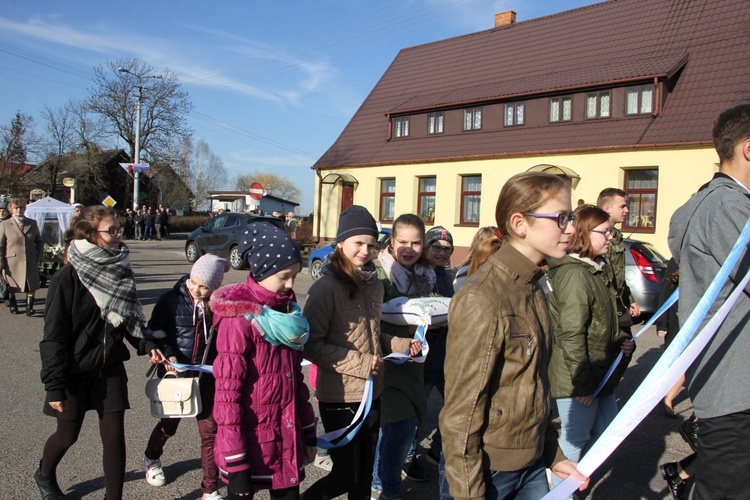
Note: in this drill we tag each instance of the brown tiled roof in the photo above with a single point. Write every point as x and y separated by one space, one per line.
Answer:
597 45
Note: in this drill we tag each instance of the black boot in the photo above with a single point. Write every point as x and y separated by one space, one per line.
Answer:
677 485
13 305
689 432
30 306
48 485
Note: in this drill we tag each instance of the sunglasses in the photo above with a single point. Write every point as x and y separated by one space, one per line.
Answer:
562 219
115 232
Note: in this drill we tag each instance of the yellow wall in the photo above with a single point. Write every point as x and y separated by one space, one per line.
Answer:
681 173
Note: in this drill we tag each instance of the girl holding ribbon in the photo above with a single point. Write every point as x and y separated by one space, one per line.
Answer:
587 338
181 321
496 425
402 271
344 308
266 424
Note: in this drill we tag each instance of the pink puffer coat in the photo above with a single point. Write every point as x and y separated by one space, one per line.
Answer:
261 406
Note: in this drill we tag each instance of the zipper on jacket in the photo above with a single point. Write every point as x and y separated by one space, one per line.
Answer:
528 338
104 350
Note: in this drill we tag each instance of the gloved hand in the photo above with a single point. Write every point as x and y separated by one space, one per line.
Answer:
240 485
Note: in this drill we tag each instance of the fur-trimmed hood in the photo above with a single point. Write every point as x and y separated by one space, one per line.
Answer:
247 298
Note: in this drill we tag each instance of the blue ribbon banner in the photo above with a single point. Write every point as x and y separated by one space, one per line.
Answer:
181 367
670 301
343 436
671 366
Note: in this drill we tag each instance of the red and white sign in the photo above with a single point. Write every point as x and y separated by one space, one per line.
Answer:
256 191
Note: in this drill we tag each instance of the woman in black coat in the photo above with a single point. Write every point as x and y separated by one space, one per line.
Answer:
91 309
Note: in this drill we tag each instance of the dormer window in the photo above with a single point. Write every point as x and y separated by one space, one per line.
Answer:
435 122
560 109
639 100
401 126
598 105
473 119
514 113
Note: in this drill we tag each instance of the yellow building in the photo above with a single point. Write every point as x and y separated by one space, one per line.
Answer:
617 94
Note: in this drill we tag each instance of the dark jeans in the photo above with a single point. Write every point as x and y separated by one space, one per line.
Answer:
353 463
393 445
723 457
167 427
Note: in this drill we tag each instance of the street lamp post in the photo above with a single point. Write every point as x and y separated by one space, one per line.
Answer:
136 160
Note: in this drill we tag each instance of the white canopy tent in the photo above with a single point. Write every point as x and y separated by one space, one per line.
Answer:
50 208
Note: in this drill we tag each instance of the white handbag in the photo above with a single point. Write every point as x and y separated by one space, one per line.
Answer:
174 397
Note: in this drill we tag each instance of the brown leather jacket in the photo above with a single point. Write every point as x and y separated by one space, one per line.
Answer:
344 337
497 394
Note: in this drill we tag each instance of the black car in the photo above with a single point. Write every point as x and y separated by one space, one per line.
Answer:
220 236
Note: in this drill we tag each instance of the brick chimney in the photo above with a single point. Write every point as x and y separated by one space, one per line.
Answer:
503 18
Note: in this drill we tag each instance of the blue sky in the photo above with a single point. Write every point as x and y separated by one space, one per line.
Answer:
273 82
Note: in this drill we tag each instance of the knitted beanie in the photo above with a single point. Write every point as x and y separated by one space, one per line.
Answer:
210 270
268 249
354 221
438 233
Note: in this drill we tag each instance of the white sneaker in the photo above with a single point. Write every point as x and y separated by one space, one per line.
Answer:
154 472
213 496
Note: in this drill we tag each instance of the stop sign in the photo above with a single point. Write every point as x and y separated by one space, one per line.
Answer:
256 191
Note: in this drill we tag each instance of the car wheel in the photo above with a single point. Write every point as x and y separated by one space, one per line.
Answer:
191 252
315 269
235 259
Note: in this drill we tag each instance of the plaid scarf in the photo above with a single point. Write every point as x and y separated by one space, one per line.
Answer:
107 275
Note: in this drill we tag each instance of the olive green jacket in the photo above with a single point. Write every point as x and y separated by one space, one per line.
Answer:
615 260
587 337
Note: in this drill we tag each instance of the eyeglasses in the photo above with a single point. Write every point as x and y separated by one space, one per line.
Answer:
115 232
605 232
441 248
562 219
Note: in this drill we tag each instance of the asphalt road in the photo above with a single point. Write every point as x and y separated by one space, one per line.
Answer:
631 473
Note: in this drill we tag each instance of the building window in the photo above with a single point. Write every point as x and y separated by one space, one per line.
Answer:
640 100
641 186
560 109
387 199
471 199
401 126
473 119
435 122
514 112
598 105
426 199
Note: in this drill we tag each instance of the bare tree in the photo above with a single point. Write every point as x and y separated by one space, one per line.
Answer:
275 184
88 128
164 104
60 140
200 168
17 143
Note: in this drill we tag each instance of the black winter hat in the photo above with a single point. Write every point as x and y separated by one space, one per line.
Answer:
354 221
438 233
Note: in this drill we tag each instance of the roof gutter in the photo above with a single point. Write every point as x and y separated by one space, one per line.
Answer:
541 152
538 93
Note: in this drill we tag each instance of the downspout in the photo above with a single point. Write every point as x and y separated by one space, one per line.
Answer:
316 239
657 91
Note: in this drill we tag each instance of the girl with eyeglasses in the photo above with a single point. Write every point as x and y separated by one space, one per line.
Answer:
496 425
21 252
587 338
91 309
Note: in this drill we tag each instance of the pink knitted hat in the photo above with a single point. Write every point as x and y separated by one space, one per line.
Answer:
210 270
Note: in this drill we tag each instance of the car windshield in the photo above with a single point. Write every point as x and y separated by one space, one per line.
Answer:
651 253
